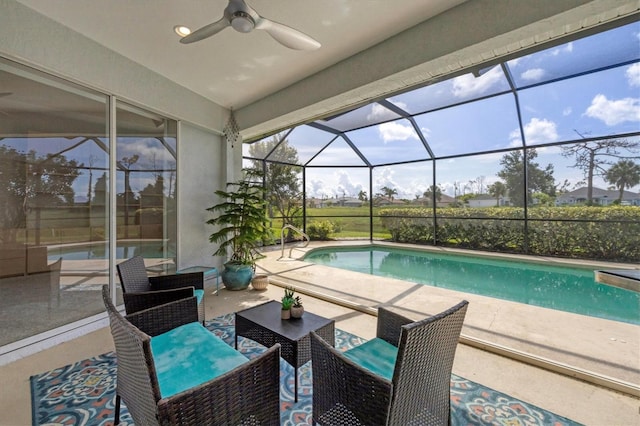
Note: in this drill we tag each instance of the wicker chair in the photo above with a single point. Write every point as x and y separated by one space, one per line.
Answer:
139 291
402 377
247 394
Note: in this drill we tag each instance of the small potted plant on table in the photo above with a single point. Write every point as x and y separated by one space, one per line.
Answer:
287 303
297 310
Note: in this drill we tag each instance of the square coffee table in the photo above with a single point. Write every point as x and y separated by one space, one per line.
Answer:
263 324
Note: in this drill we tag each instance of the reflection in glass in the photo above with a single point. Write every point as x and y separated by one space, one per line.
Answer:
146 183
54 156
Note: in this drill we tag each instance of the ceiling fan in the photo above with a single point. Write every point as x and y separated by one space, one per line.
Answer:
243 18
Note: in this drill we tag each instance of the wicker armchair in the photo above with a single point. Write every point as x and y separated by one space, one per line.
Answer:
402 377
247 394
140 291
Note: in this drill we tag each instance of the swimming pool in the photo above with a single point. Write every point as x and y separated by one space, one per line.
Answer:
98 250
557 287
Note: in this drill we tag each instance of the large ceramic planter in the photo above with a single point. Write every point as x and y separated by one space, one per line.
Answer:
236 276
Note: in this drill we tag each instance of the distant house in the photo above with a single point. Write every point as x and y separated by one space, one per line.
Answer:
339 202
486 200
444 201
348 202
603 197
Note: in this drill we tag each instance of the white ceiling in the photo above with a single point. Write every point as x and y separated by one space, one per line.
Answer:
234 69
370 49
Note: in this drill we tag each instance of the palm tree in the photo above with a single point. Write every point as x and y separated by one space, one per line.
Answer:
428 194
623 174
498 190
389 192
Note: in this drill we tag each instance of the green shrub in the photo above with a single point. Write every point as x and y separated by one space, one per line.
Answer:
320 230
589 232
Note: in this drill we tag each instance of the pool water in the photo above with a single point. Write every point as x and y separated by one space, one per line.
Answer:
556 287
99 250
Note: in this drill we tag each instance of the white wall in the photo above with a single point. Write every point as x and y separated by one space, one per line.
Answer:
201 171
33 39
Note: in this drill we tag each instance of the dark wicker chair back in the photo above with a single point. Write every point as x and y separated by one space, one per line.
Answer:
249 394
142 292
418 394
136 380
422 375
133 275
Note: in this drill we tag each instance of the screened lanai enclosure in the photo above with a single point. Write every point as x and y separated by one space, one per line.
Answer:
538 154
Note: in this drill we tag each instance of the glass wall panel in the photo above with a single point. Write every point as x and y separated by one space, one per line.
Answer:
54 157
481 126
146 183
593 105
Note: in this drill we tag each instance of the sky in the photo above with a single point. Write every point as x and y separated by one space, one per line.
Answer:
592 105
597 104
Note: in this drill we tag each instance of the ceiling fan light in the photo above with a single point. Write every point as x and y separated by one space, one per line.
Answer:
242 22
181 30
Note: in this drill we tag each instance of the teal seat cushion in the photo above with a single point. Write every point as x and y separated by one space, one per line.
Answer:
376 355
190 355
199 295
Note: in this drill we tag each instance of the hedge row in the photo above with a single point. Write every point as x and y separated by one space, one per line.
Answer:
602 233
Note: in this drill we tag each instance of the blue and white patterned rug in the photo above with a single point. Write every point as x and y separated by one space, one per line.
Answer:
83 393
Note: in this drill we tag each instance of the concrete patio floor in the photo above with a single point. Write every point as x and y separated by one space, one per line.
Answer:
580 401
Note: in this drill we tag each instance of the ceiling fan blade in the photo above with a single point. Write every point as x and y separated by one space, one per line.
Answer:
287 36
206 31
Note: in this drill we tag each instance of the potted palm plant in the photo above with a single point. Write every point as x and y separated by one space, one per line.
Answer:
242 228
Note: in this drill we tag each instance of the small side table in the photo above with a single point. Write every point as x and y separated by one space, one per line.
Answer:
264 325
209 272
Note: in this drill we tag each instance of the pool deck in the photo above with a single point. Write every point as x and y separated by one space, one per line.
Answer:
574 344
575 399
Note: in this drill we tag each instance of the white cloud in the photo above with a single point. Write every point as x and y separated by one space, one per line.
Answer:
567 111
613 112
394 131
316 188
379 113
533 74
383 177
346 186
468 85
633 75
563 49
535 131
401 105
